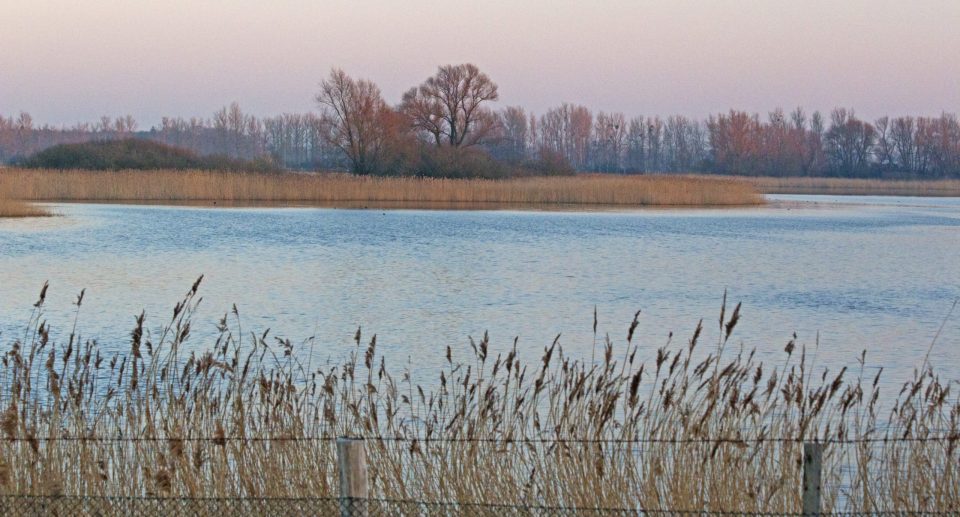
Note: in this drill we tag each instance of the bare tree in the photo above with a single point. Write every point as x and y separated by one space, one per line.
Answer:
125 124
514 129
635 159
849 143
685 143
946 160
609 139
735 142
885 146
236 125
448 107
926 142
814 159
902 134
104 128
802 141
25 133
655 130
568 130
358 121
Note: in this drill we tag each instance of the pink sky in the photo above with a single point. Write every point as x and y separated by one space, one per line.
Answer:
67 61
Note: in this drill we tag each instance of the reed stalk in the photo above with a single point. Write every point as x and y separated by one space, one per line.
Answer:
672 427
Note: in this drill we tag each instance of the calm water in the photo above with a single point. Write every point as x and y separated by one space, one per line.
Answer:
874 273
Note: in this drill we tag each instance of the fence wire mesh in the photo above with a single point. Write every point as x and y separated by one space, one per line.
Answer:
149 506
90 506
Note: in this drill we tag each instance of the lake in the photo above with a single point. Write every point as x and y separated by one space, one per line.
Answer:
852 273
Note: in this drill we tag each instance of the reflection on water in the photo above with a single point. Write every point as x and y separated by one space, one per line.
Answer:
875 273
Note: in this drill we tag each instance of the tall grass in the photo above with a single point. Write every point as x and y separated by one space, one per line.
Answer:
857 187
685 425
324 189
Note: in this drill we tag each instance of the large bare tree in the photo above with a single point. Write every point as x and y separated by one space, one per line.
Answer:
449 106
358 120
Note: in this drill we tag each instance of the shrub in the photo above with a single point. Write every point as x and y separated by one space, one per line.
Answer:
136 154
549 163
454 162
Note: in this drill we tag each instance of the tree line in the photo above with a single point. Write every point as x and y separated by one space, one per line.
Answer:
448 126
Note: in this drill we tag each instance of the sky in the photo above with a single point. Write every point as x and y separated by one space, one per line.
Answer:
69 61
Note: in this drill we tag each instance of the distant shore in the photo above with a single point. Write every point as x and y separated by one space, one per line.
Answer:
335 189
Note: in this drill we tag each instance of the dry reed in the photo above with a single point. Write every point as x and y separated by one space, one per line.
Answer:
13 208
856 187
683 426
333 189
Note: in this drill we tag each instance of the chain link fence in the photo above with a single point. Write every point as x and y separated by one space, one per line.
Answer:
327 506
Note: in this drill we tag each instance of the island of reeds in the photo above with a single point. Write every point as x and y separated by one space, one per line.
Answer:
695 424
340 189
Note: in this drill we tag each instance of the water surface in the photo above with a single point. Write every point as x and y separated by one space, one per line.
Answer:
846 272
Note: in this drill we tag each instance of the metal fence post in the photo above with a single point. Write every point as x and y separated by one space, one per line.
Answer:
352 463
812 460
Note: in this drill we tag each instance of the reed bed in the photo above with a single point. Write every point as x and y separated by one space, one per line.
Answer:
687 425
13 208
857 187
333 189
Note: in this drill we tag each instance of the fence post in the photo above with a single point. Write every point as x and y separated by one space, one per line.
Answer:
352 463
812 459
